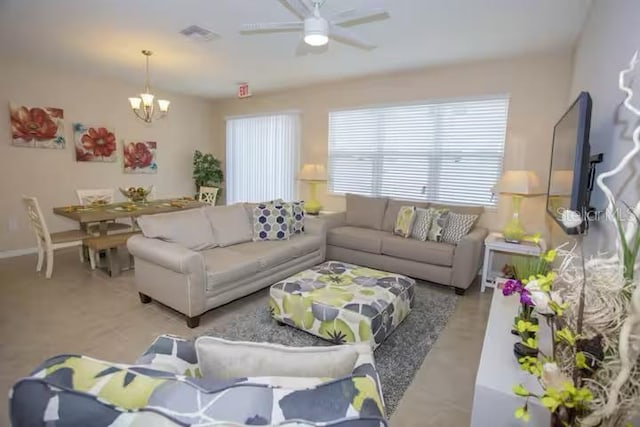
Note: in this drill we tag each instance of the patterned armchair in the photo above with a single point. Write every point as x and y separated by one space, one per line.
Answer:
166 388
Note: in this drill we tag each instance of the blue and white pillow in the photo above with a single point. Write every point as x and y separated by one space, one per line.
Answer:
297 217
271 222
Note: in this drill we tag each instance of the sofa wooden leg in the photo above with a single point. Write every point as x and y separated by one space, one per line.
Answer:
193 322
460 291
145 299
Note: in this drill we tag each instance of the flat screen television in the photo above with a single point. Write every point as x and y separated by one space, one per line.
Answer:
570 171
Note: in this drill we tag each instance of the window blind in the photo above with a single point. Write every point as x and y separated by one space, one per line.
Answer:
262 157
446 152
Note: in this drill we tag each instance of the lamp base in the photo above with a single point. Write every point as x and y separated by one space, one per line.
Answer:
513 231
312 207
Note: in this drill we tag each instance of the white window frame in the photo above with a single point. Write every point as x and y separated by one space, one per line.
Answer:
490 204
296 147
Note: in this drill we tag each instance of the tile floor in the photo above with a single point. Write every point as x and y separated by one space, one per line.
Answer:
85 312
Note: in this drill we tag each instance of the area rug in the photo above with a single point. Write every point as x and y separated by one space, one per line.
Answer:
397 359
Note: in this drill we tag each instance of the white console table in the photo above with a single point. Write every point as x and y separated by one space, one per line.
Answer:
494 403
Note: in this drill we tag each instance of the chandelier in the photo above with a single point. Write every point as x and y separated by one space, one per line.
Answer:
143 106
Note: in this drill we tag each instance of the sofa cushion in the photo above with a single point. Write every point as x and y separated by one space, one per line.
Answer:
306 244
416 250
230 224
269 254
188 228
393 207
224 266
360 239
220 359
365 212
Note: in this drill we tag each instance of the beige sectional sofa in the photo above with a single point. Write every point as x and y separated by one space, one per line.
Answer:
363 235
196 260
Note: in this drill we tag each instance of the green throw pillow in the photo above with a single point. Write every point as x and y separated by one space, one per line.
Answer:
404 221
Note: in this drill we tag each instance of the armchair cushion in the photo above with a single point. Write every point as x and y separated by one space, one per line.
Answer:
359 239
222 359
415 250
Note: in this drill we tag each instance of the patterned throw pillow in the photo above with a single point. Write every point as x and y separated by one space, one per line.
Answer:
421 225
296 214
459 225
296 211
404 221
440 218
271 222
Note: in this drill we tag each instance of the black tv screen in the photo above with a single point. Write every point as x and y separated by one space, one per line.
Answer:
569 172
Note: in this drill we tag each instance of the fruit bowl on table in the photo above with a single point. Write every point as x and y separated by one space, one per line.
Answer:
136 194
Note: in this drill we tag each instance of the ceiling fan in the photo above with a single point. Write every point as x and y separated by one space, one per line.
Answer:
317 29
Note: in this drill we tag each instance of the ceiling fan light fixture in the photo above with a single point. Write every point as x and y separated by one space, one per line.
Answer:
316 31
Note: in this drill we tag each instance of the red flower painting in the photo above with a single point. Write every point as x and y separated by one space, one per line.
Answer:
94 143
37 127
140 157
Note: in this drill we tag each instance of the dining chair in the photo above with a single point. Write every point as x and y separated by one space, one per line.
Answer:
208 195
88 197
49 242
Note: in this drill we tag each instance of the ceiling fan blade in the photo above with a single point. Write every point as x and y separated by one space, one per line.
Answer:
302 8
348 36
303 49
360 15
272 27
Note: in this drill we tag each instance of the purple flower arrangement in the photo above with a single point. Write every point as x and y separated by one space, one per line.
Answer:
516 287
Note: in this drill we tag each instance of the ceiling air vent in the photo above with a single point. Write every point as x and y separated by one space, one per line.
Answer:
200 34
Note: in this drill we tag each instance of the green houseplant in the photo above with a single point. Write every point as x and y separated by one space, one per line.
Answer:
206 170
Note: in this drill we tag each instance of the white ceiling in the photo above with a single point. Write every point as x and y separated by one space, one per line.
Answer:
104 37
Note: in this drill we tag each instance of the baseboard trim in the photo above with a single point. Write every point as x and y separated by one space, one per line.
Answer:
18 252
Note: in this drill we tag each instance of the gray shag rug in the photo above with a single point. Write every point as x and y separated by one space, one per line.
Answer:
397 359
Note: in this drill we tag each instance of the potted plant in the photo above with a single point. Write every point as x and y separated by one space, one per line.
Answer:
206 170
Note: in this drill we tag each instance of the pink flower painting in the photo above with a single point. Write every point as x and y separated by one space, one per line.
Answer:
140 157
94 143
37 127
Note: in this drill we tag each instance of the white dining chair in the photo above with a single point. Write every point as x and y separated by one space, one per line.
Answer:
208 195
87 197
49 242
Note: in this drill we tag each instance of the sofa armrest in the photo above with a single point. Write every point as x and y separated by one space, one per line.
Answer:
467 258
315 226
335 220
168 255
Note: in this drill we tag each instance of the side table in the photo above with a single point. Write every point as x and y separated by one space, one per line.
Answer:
495 243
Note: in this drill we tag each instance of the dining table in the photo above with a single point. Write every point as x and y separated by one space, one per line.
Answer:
102 214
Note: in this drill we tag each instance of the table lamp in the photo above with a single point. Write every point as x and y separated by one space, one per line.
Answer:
517 184
313 174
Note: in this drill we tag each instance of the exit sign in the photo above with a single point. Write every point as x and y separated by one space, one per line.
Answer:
243 90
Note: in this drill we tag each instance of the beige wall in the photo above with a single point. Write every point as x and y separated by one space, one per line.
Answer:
54 175
538 86
609 40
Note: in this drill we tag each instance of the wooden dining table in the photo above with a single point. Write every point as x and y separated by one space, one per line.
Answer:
103 214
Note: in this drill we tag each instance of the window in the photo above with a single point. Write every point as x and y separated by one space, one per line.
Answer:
262 157
446 152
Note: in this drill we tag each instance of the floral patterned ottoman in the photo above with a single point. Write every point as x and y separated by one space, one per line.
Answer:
343 302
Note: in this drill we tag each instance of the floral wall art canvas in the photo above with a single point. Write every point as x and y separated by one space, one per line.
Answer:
140 157
38 127
94 143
